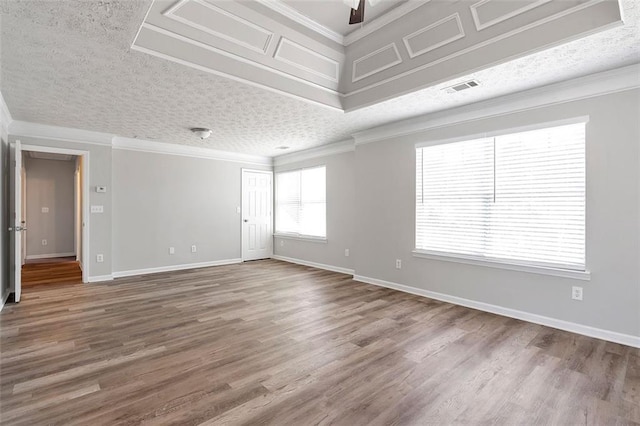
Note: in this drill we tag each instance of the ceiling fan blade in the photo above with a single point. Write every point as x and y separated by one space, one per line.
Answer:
357 15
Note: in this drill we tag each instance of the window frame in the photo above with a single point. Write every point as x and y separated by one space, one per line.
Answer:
295 235
503 263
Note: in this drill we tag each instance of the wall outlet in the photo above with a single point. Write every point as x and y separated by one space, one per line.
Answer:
45 210
194 249
398 264
281 243
346 252
576 293
172 250
99 258
44 242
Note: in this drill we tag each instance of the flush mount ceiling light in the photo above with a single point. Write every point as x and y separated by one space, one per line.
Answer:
282 147
201 132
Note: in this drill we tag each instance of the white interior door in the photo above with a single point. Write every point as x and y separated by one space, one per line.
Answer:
257 220
16 227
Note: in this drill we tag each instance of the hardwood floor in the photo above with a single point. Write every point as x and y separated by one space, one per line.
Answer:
51 271
274 343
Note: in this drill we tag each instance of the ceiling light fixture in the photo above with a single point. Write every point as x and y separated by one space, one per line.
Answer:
282 147
201 132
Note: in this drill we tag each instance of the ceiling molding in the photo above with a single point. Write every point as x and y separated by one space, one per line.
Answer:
35 130
381 21
320 151
486 43
291 13
142 145
613 81
5 118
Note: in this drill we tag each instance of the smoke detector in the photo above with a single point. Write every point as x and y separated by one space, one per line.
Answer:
201 132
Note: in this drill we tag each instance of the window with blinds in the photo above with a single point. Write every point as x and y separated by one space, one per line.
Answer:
515 198
301 202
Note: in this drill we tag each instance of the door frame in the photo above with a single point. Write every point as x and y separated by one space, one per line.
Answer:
84 177
269 172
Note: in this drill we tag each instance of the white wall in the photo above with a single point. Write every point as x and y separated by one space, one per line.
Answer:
340 215
50 184
162 201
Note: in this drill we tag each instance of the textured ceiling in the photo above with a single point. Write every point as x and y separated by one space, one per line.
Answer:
69 63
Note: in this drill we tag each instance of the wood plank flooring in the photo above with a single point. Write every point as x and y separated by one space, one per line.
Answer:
274 343
51 271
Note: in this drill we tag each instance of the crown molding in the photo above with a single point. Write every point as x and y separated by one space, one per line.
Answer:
141 145
5 117
36 130
320 151
603 83
379 22
291 13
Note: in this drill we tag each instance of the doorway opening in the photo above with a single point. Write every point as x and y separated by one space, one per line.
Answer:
50 210
51 194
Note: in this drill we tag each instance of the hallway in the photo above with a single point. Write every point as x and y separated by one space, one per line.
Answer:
51 271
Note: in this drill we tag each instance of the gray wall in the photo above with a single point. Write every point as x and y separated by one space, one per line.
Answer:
4 222
50 184
385 192
340 215
162 201
99 174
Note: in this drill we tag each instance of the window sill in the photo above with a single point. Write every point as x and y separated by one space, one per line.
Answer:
557 272
301 238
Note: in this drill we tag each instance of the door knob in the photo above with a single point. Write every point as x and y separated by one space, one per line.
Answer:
246 220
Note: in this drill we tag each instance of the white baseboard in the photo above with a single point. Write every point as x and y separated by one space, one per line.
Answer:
314 264
100 278
611 336
3 300
172 268
49 255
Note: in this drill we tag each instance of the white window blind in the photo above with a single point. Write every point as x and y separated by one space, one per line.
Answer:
301 202
517 198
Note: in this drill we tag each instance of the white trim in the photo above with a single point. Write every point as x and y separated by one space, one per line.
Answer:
170 13
308 238
320 151
86 190
489 42
291 13
5 119
375 24
35 130
377 70
504 264
480 26
171 268
100 278
583 119
593 85
302 67
406 39
598 333
50 255
239 59
142 145
3 299
338 269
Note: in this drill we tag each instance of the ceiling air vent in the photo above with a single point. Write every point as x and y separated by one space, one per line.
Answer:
462 86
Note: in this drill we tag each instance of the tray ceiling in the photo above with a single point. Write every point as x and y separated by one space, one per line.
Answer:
417 45
68 63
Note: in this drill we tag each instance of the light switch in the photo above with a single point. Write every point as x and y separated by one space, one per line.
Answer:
97 209
45 210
